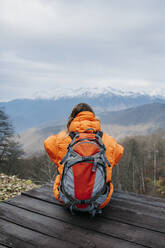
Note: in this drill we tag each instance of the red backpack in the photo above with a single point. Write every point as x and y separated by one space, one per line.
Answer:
83 184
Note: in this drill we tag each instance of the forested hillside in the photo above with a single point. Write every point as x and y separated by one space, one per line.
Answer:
142 168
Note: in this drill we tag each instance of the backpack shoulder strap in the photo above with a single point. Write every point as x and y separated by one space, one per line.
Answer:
72 134
100 133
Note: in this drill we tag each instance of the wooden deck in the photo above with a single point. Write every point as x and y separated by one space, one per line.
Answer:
36 219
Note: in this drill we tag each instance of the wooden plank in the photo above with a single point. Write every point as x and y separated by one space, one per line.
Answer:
46 194
145 200
4 246
10 235
128 197
113 213
102 225
62 230
16 236
11 240
132 195
130 212
132 216
138 207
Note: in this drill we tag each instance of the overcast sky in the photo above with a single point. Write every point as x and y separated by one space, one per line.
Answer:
48 44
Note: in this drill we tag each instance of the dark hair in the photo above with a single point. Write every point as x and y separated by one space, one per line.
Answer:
76 110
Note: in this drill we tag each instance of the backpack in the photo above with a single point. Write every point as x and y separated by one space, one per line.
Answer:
83 184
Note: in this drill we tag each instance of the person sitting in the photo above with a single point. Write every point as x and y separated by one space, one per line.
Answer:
82 121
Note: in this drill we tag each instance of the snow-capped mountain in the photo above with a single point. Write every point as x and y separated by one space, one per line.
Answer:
55 106
95 92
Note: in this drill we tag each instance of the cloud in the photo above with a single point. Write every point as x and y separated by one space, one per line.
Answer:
48 43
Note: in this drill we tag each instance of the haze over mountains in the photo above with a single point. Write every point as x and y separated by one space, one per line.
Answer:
121 113
28 113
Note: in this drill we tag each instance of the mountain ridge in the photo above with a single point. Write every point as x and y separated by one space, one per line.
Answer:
154 112
118 124
28 113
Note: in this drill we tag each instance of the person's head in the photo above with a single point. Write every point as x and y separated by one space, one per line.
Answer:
76 110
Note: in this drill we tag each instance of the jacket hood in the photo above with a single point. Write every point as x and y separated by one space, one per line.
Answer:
83 121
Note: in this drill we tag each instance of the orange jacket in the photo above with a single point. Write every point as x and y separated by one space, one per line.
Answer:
56 146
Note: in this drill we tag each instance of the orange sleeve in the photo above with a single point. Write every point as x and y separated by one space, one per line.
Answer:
51 148
56 147
114 151
118 153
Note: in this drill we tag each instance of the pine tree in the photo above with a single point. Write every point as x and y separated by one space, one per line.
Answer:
9 149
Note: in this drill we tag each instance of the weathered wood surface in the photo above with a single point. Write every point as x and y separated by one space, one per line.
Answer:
36 219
